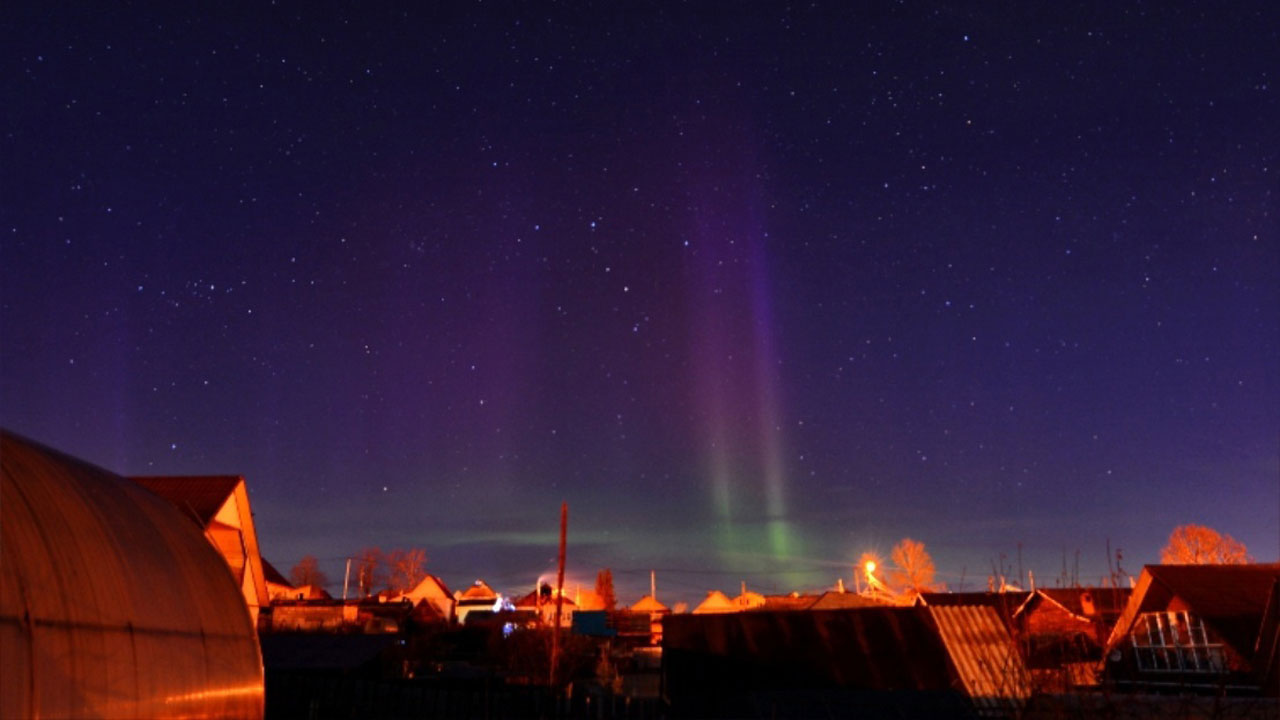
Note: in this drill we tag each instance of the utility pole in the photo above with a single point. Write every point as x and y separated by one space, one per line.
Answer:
555 630
346 578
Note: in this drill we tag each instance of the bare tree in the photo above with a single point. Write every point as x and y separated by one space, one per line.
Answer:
307 572
407 569
370 570
913 569
1198 545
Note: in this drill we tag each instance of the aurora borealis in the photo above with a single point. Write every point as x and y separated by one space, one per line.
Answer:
754 287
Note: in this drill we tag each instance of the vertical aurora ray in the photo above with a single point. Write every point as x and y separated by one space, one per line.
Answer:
708 343
769 426
736 365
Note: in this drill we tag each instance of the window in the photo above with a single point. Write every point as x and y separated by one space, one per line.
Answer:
1175 642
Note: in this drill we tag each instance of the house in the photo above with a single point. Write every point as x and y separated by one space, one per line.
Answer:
280 589
649 605
432 591
715 602
748 600
1089 610
219 504
1061 632
278 586
1196 628
718 602
542 603
477 597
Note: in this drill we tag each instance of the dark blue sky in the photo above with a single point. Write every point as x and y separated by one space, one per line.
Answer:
754 287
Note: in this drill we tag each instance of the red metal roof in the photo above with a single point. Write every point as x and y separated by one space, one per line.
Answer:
1229 598
200 496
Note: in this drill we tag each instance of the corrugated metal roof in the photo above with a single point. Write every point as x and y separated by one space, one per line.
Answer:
112 603
984 658
1005 604
202 496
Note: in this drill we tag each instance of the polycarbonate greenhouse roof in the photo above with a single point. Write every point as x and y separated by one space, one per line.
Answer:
112 603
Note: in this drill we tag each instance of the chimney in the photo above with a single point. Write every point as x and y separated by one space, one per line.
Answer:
840 585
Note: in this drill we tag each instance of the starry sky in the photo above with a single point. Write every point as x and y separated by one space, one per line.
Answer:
754 287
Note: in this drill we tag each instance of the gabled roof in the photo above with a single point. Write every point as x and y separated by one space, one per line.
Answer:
273 575
201 498
648 604
1105 600
198 496
479 590
427 584
715 602
1230 599
530 600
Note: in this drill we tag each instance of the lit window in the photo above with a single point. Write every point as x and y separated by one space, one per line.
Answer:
1174 642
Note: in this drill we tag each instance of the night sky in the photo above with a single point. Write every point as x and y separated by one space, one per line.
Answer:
754 287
